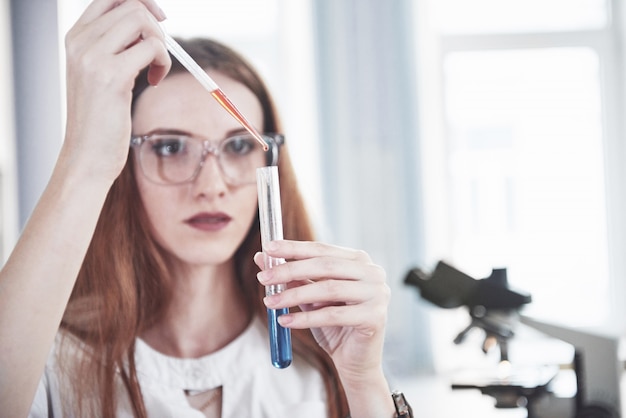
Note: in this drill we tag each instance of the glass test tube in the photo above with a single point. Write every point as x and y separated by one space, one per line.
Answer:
271 221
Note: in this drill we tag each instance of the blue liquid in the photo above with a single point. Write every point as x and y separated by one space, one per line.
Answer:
280 339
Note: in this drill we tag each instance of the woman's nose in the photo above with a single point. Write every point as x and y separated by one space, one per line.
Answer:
210 181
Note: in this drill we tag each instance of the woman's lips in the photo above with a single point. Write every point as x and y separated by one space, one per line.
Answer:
213 221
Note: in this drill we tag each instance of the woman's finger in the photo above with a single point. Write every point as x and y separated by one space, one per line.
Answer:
152 52
116 30
368 317
297 250
98 8
324 291
258 260
124 25
321 268
112 33
131 37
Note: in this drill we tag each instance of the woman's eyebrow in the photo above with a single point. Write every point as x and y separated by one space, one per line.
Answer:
238 131
170 131
167 131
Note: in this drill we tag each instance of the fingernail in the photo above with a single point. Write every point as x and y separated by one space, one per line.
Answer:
271 300
162 15
264 276
285 319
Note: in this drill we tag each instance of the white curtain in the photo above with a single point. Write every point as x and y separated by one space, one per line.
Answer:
38 123
369 151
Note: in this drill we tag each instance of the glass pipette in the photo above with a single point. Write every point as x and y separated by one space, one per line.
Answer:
207 82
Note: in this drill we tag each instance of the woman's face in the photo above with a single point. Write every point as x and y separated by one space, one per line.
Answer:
204 221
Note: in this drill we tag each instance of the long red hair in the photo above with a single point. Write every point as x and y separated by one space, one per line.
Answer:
124 284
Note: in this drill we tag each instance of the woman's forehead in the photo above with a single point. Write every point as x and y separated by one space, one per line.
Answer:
180 102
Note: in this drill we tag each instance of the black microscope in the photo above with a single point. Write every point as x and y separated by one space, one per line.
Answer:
495 309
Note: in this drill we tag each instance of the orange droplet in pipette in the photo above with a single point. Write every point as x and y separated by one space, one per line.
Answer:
219 95
188 62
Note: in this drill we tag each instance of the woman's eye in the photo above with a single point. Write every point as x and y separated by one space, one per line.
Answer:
168 147
239 145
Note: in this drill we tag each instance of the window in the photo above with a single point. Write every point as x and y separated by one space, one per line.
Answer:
519 101
526 173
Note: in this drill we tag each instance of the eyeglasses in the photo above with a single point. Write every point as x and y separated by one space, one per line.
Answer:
177 158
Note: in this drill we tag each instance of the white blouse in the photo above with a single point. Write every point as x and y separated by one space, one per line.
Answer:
251 386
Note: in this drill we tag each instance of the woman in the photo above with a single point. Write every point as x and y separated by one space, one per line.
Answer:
149 268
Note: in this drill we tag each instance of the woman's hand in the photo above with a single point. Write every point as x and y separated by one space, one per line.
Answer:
343 297
108 46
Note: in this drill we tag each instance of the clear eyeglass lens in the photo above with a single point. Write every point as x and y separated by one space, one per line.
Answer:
172 159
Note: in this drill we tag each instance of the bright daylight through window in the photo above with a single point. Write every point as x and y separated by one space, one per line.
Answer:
524 92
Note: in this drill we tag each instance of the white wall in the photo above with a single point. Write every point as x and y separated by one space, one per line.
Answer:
8 189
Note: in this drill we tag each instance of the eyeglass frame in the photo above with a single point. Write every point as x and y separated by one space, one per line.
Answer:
272 154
